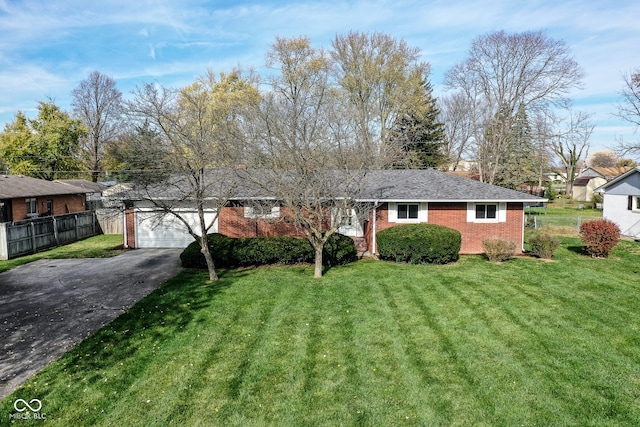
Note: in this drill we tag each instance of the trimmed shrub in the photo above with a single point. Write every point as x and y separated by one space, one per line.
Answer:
600 236
498 250
419 244
339 250
543 245
230 252
221 247
272 250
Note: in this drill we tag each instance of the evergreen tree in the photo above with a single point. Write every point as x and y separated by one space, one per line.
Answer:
519 165
419 133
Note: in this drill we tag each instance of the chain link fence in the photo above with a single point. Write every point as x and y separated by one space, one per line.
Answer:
536 222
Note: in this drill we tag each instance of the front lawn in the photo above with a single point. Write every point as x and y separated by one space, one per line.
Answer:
527 342
101 246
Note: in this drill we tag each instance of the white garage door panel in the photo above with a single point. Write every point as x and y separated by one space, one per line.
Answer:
168 231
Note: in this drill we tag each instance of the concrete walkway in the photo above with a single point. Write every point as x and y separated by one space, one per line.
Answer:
48 306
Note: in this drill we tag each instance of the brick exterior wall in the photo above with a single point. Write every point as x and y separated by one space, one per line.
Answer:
62 204
454 215
232 223
129 228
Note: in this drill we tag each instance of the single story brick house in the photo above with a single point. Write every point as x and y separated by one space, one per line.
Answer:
477 210
621 202
23 198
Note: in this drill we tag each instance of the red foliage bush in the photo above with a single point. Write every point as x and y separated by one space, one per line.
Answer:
600 236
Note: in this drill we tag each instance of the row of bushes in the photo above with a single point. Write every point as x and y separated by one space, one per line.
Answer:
410 243
599 236
228 252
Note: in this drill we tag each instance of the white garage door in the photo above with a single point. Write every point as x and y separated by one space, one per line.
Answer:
153 231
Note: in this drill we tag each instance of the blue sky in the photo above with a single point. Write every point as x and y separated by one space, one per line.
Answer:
47 48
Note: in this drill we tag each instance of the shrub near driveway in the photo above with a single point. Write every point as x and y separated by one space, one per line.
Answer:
231 252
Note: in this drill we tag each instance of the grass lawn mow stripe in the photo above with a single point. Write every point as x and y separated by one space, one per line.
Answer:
524 342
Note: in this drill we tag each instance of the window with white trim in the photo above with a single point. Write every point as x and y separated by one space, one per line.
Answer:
487 212
263 211
32 207
408 212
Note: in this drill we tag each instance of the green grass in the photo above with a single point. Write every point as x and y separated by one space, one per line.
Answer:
101 246
525 342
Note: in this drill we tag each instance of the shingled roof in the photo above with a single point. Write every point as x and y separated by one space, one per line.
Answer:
14 186
378 185
431 186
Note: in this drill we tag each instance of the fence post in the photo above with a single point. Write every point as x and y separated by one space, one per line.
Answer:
4 244
55 231
76 219
33 237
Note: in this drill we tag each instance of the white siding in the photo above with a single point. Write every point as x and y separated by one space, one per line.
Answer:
615 209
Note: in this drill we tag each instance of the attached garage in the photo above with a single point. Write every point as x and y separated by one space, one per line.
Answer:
154 230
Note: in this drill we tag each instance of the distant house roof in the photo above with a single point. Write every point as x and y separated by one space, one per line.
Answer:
583 180
607 173
378 185
15 186
88 186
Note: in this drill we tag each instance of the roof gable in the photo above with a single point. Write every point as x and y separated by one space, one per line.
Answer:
627 183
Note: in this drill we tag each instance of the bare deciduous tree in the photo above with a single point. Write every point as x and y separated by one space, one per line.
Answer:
303 141
570 142
197 141
99 103
381 78
504 72
458 127
629 109
604 159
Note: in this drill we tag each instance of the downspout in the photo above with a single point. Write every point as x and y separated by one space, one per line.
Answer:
124 225
524 225
374 247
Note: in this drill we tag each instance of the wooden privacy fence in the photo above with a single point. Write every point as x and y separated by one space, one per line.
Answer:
26 237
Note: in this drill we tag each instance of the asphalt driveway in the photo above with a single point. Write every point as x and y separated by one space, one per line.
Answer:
48 306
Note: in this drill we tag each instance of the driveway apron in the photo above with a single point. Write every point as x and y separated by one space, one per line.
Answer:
48 306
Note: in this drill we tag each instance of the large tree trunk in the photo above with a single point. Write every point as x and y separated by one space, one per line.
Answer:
317 273
204 248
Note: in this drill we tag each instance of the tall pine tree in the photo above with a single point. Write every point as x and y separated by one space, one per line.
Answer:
419 133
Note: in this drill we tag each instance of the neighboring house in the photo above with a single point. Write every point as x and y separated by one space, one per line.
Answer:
93 191
23 198
621 202
394 197
592 178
